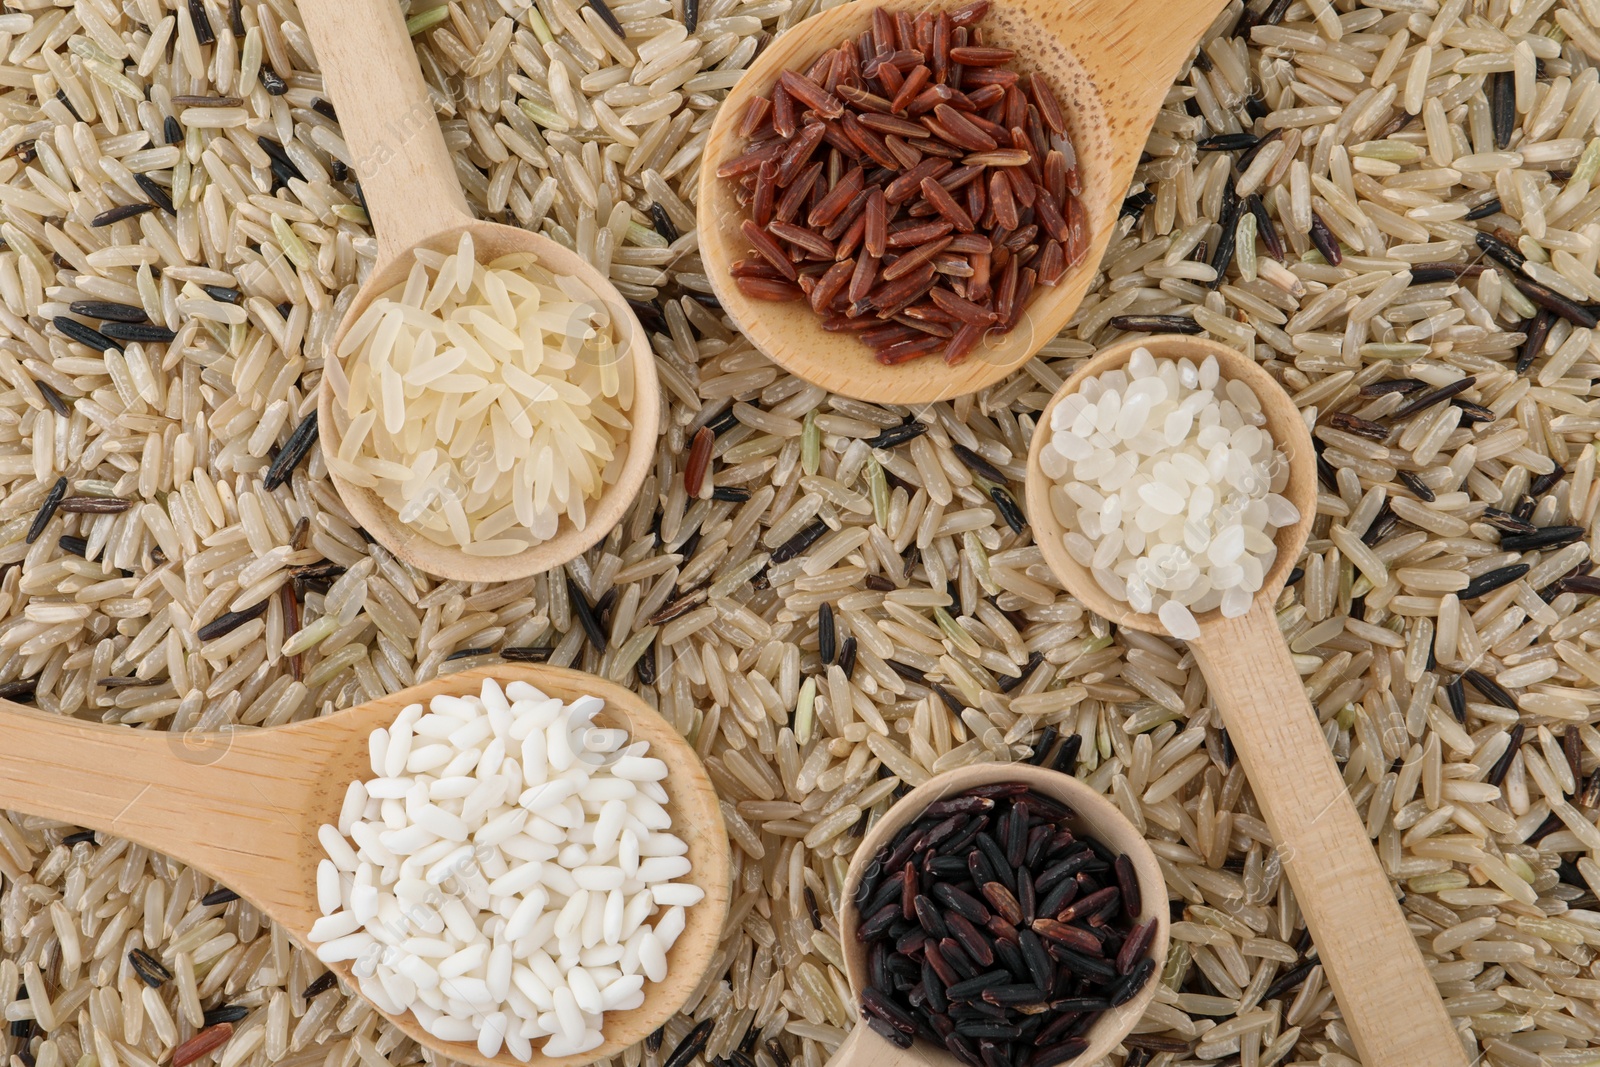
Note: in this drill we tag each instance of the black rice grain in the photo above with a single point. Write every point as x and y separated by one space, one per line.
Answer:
95 505
1391 385
158 195
227 1013
1325 241
898 435
1232 206
1156 324
143 332
53 399
1502 107
1489 688
1436 396
151 971
801 541
847 657
1544 483
1008 509
120 212
1041 748
1537 330
977 464
1128 884
1228 142
1501 252
202 23
218 896
230 621
1416 485
1497 773
827 647
1290 979
73 330
586 616
1543 537
1133 206
1034 659
47 510
1266 229
1066 760
73 546
1249 154
693 1043
324 982
294 450
1489 581
1456 693
1550 300
663 223
106 310
1489 207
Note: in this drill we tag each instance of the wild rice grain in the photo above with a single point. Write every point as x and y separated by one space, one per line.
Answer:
47 510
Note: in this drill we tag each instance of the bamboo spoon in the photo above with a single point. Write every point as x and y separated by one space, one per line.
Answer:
1389 1001
409 184
1096 817
244 807
1110 62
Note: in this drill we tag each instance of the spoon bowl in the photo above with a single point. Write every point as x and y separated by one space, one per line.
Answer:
1094 817
1109 71
1388 998
411 193
491 241
244 806
1284 424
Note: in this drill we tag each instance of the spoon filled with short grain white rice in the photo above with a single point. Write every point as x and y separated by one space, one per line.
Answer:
445 908
1171 487
489 406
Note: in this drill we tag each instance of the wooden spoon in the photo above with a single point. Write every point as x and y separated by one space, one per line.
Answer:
1110 63
409 184
244 806
1097 818
1390 1002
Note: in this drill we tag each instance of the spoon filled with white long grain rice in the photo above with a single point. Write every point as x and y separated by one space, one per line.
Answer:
1171 488
489 405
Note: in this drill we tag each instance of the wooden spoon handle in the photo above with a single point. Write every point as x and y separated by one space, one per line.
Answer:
1135 46
863 1048
227 802
370 70
1371 959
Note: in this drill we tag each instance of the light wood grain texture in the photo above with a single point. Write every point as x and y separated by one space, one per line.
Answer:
244 806
1110 63
1389 1001
1096 817
408 181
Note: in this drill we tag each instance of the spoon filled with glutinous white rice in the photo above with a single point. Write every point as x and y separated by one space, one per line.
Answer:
488 406
263 811
1171 488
